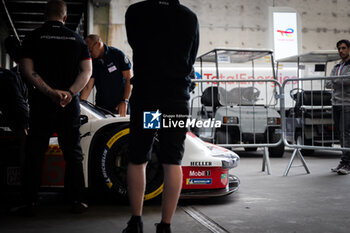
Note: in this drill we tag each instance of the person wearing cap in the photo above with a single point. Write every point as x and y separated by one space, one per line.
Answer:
164 37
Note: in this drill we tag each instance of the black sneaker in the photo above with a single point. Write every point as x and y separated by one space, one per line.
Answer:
336 169
136 227
345 170
79 208
163 228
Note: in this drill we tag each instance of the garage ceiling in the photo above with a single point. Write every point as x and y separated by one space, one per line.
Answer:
28 15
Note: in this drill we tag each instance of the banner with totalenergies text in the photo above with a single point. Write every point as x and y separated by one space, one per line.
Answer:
245 73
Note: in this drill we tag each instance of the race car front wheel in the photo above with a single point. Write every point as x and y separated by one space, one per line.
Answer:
110 161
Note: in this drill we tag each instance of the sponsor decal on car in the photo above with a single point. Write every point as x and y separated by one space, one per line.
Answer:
201 163
224 179
198 181
54 166
200 173
13 176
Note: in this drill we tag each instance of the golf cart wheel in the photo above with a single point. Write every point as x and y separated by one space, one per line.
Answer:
278 151
109 167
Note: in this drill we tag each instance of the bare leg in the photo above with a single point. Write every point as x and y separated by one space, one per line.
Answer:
136 187
171 193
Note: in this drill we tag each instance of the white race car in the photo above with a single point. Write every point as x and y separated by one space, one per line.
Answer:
104 140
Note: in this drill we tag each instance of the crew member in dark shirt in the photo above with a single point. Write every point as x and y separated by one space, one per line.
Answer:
14 98
110 74
57 62
164 37
16 88
14 108
13 104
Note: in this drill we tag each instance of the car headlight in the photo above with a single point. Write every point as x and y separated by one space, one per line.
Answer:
230 120
273 121
229 160
230 163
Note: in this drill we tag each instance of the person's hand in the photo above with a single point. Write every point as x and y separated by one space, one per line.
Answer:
55 96
67 98
61 98
122 108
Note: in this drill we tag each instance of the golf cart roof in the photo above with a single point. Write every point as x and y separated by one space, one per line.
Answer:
234 55
314 56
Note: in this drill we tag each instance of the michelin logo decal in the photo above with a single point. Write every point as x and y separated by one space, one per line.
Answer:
155 120
198 181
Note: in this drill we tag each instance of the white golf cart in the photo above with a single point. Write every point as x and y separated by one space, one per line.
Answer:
246 108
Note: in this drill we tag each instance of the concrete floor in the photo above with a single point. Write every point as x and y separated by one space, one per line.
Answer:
314 203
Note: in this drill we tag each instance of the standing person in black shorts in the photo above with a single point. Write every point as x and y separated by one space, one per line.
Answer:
166 32
57 62
111 74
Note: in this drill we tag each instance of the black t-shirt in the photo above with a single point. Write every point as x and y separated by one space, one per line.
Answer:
109 80
56 52
164 36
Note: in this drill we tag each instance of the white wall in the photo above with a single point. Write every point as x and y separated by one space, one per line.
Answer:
232 23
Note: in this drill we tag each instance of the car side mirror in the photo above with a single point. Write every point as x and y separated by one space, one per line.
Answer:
84 119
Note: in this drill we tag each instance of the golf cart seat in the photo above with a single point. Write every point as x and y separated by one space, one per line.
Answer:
313 98
314 104
210 100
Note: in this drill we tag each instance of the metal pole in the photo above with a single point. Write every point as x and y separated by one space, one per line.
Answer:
266 161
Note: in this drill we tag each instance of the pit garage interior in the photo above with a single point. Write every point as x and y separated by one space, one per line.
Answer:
271 203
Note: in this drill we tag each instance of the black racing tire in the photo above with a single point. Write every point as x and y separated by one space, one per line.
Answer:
108 167
278 151
250 149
